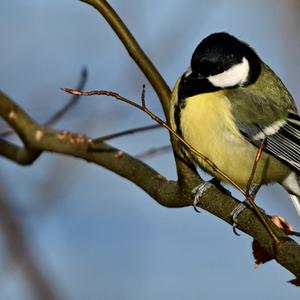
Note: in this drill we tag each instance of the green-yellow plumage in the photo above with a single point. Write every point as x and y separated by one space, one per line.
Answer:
208 124
226 104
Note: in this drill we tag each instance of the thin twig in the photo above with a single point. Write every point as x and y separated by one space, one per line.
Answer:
162 123
184 172
72 101
125 132
135 51
254 167
6 131
251 199
210 163
153 151
143 95
166 192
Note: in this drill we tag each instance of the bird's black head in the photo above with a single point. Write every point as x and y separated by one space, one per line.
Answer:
224 61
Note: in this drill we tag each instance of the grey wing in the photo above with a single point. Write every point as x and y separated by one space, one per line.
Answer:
259 119
282 138
285 142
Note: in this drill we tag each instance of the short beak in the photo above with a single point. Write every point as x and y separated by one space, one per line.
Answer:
190 77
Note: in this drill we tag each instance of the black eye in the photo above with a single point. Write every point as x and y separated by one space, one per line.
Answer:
207 67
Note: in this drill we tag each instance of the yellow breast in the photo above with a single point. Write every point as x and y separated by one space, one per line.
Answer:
208 125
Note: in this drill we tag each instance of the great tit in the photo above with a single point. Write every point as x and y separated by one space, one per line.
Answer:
226 104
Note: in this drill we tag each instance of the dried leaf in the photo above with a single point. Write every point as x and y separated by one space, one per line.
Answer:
259 254
282 224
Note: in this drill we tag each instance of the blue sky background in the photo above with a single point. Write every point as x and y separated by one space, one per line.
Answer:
94 234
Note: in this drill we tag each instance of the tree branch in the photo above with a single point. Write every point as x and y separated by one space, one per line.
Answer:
134 50
184 171
20 155
5 131
167 193
38 138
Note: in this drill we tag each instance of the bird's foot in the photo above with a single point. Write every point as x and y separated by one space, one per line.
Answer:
198 192
235 213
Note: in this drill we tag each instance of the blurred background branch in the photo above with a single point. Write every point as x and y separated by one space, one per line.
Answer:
6 130
37 138
81 215
18 250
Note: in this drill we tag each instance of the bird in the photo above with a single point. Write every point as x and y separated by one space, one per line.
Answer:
225 106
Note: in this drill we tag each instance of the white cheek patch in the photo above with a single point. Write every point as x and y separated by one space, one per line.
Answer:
236 75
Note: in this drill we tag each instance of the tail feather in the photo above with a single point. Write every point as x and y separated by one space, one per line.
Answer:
296 201
292 184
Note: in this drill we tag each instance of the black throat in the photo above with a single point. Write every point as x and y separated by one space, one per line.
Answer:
189 89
